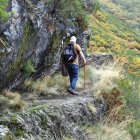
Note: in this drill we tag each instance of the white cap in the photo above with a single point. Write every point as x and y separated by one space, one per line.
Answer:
73 39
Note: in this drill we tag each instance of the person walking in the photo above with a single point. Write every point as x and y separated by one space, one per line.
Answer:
73 65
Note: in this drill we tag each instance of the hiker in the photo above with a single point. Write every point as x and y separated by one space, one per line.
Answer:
71 62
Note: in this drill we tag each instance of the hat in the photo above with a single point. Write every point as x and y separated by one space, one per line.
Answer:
73 39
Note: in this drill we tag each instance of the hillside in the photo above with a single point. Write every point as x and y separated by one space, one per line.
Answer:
33 98
128 11
115 30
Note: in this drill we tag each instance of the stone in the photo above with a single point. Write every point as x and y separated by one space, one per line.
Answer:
5 133
30 33
54 119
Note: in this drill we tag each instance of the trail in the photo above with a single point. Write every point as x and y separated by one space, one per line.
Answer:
102 72
55 116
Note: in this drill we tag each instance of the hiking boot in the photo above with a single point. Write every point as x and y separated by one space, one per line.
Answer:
72 91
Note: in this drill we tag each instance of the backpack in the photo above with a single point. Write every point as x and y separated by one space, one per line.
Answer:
69 54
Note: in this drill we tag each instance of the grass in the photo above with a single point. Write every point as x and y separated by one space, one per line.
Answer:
110 34
107 75
108 131
97 80
3 13
119 84
48 85
11 101
57 85
128 10
102 79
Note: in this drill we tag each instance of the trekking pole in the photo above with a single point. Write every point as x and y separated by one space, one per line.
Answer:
84 78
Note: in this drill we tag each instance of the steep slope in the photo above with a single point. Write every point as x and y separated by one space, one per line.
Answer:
33 35
110 34
113 33
128 11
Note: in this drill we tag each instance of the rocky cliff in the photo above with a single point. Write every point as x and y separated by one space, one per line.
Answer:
34 35
53 119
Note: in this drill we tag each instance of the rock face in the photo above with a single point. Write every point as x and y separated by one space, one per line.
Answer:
54 119
102 59
5 133
35 31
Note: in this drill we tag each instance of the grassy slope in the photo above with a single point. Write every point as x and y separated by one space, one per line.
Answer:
128 10
113 33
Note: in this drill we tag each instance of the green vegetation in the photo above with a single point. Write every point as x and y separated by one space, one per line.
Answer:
11 101
107 131
3 17
115 31
128 11
28 67
8 137
74 9
19 132
17 64
95 6
3 13
115 34
48 85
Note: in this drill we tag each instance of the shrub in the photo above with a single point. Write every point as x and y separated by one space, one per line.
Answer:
96 6
28 67
114 101
75 10
134 129
134 45
130 87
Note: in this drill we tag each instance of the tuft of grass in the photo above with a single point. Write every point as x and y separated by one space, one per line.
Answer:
115 103
108 131
134 45
48 85
12 101
134 129
108 76
92 108
102 79
97 80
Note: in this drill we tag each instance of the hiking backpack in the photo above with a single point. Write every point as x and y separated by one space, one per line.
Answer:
68 54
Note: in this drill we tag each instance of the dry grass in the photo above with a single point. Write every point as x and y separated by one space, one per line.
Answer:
114 103
114 131
107 78
48 85
134 45
97 80
90 78
114 126
92 108
11 100
102 83
101 79
109 130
